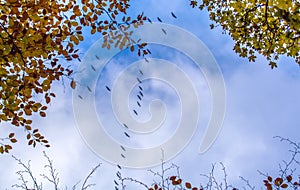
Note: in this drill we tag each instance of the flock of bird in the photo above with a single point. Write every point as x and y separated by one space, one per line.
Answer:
139 96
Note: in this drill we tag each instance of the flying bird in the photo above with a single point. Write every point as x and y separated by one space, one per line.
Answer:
89 88
127 135
135 112
93 67
164 31
159 19
173 15
138 103
119 167
138 80
107 88
141 72
149 20
116 182
123 148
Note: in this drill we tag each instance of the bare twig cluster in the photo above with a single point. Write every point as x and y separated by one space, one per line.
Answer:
28 181
168 177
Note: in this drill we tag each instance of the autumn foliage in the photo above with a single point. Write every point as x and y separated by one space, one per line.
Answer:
35 35
267 27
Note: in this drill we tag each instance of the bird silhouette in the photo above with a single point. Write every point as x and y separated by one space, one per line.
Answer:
116 182
122 147
127 135
141 72
173 15
119 166
119 174
108 88
141 94
89 88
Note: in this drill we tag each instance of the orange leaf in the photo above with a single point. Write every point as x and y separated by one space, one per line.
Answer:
27 127
188 185
270 178
11 135
284 186
75 56
1 150
278 181
132 48
73 84
43 114
289 178
48 99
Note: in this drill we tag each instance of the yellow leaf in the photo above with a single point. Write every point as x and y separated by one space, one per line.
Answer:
84 8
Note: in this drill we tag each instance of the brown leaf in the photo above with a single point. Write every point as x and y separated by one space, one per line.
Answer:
188 185
270 178
43 114
289 178
278 181
73 84
11 135
284 186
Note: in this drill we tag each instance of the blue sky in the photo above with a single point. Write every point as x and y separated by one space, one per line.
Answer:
260 103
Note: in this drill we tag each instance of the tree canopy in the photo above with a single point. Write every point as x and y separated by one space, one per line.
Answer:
35 36
268 27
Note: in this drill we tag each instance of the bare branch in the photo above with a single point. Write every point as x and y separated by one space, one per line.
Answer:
84 185
27 171
54 179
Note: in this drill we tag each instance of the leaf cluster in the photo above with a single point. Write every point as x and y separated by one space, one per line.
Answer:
268 27
35 36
